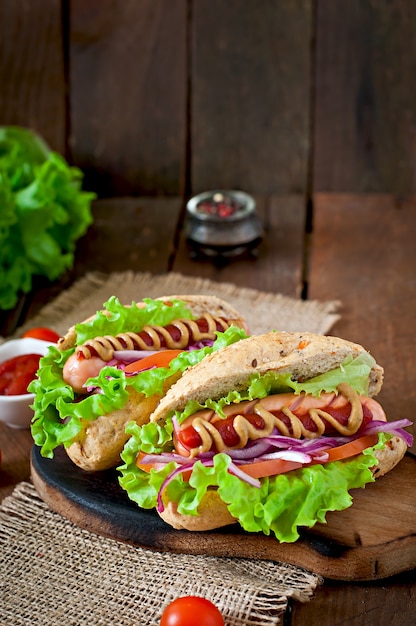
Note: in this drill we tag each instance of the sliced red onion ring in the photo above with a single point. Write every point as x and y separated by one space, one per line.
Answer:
167 458
287 455
168 479
392 428
176 429
249 452
129 356
200 344
234 469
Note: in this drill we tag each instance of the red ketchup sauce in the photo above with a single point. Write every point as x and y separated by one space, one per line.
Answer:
17 373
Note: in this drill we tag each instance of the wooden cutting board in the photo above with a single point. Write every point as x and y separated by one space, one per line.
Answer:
373 539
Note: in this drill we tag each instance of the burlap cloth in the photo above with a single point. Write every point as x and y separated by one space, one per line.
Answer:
52 572
263 311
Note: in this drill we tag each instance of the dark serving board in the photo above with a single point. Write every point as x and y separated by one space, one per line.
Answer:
373 539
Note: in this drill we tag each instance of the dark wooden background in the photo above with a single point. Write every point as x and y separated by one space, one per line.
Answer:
310 105
170 97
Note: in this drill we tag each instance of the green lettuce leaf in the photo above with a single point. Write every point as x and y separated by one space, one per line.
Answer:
283 505
58 412
117 318
44 212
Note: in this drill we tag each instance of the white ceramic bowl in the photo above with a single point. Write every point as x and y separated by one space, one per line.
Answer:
15 411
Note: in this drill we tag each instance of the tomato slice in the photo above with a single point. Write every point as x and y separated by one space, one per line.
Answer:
352 448
40 332
158 359
271 467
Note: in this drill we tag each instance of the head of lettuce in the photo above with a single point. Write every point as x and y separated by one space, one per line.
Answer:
43 212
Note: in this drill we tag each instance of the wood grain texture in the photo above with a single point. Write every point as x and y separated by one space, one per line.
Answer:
364 254
359 604
134 233
365 110
340 549
32 73
128 95
250 82
277 266
15 447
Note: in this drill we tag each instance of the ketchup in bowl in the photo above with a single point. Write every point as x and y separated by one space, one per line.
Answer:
17 373
19 363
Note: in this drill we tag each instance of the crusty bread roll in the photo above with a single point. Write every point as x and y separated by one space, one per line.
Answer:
100 441
305 355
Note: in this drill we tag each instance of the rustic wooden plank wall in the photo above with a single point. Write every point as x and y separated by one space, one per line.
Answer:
365 122
32 68
128 94
250 95
166 98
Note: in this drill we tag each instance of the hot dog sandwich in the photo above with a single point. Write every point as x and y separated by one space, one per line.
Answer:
115 367
271 432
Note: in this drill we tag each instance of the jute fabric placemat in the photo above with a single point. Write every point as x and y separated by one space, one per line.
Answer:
263 311
53 572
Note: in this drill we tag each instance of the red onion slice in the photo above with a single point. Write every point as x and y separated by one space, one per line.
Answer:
129 356
392 428
287 455
168 479
234 469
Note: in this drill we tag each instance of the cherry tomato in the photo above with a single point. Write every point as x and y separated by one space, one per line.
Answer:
17 373
191 611
40 332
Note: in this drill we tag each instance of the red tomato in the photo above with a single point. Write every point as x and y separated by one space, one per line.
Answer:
158 359
17 373
191 611
352 448
46 334
272 467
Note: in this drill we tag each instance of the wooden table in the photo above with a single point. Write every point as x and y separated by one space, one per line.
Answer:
358 249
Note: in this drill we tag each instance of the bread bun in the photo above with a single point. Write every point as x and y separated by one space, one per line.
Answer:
98 445
212 513
304 355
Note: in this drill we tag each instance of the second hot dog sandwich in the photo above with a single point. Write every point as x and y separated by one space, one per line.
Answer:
271 432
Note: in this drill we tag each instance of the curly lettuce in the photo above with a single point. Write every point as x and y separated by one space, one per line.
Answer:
283 505
59 411
43 212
